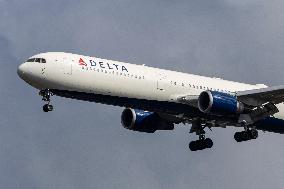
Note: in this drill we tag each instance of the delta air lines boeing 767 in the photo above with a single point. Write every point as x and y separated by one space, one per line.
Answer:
156 99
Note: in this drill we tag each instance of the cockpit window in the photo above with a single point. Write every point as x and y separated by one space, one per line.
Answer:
39 60
31 60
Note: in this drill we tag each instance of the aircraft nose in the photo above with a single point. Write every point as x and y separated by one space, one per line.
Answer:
22 70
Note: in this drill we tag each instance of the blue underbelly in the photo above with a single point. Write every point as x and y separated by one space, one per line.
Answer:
271 124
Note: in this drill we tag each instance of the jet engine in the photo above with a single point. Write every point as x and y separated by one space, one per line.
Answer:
144 121
218 102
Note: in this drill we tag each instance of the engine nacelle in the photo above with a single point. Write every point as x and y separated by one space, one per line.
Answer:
143 121
218 102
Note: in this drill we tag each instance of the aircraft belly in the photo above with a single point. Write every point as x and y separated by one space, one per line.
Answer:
271 124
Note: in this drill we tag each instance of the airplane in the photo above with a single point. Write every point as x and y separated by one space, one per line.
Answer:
157 99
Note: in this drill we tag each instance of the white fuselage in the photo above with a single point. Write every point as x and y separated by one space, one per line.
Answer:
71 72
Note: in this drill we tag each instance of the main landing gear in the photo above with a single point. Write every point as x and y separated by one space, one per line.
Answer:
247 134
203 142
200 144
46 94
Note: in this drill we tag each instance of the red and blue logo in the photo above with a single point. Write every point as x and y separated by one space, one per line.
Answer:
103 65
82 62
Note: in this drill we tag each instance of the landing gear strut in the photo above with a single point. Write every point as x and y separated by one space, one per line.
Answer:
46 94
247 134
203 142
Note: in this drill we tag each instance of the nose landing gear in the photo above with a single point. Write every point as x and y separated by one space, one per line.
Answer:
46 94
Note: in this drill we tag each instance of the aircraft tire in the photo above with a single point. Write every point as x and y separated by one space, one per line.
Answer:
253 134
245 135
193 146
47 108
208 143
238 137
200 144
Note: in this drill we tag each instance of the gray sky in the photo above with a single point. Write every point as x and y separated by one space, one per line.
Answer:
83 145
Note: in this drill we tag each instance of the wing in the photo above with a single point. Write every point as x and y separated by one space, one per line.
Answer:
258 97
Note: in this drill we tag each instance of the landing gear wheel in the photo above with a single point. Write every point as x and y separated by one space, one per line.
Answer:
200 144
238 137
192 146
242 136
47 108
253 134
208 143
245 135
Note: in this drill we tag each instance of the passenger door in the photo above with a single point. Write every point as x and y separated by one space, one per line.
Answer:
162 82
66 66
